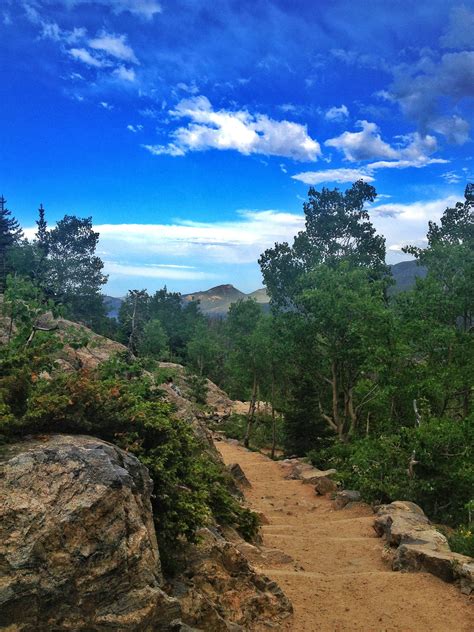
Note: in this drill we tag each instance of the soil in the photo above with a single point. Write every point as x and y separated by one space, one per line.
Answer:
338 580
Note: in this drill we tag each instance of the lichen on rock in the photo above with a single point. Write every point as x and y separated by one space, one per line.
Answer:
78 549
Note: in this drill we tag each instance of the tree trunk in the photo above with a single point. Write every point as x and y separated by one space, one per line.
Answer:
251 413
130 340
272 455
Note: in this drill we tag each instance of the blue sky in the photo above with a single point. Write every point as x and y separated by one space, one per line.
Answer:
190 130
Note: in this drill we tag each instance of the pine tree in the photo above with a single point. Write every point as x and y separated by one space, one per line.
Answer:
42 249
42 231
10 234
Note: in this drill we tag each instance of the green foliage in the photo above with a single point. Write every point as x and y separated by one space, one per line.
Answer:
118 403
443 478
10 235
262 435
154 341
461 540
73 271
198 387
337 228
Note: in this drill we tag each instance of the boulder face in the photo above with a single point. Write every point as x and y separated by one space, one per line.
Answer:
78 549
419 546
221 592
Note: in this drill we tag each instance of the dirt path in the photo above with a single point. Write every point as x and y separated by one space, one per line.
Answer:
337 580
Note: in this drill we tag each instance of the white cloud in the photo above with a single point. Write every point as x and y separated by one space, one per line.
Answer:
114 45
124 74
461 27
426 89
404 224
106 105
337 113
454 128
237 130
143 8
416 211
333 175
169 150
146 9
85 56
135 128
413 150
189 88
364 145
156 271
241 240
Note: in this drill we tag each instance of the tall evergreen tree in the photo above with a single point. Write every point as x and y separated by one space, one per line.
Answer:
42 231
41 248
10 235
74 275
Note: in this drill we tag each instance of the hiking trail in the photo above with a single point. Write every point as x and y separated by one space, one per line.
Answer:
337 579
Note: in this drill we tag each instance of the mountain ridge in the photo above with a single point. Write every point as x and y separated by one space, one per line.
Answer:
216 300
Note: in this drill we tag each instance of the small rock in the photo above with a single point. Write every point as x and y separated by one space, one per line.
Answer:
262 518
324 485
345 497
313 475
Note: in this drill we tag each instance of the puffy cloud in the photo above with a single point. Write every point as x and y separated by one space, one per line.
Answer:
425 88
364 145
238 130
416 211
405 224
81 54
414 150
337 113
461 27
333 175
124 74
114 45
454 128
135 128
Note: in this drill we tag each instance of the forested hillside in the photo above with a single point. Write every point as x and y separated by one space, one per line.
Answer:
375 383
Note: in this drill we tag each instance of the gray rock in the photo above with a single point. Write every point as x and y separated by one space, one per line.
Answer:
325 485
444 564
313 475
223 592
420 546
238 475
405 523
78 549
345 497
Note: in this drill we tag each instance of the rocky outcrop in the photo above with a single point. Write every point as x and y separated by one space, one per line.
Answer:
221 592
78 549
419 546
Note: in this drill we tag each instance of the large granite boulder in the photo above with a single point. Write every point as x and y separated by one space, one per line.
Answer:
78 549
419 546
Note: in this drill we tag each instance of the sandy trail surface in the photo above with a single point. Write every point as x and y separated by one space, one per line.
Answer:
337 579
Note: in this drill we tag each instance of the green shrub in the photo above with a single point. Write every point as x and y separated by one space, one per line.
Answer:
462 541
198 387
118 404
443 478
